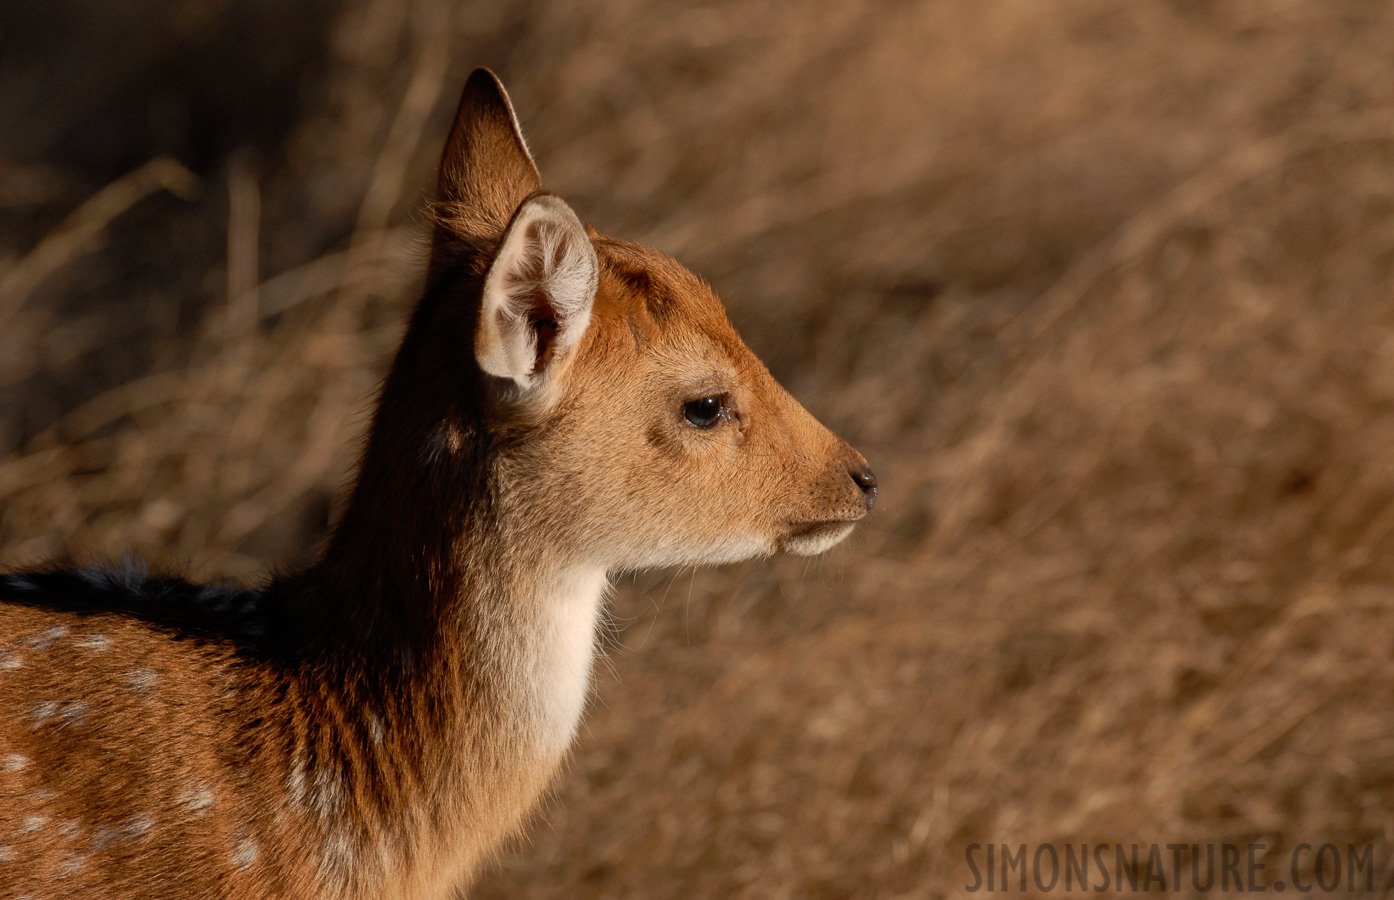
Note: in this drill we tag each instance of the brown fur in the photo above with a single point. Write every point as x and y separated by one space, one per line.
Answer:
377 725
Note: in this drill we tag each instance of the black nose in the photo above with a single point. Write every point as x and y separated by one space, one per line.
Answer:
866 480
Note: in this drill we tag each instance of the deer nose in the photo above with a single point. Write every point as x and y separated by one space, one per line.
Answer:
866 480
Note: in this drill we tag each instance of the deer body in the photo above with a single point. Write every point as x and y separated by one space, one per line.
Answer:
563 406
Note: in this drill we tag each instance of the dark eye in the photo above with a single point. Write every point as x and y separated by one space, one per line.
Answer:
703 413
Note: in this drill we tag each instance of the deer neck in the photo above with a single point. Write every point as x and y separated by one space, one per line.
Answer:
436 580
438 611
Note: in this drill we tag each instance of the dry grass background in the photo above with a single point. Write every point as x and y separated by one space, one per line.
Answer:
1102 289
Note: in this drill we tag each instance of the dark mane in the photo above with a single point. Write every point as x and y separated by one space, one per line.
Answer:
249 621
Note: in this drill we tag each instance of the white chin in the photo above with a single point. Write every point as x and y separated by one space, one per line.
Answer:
814 540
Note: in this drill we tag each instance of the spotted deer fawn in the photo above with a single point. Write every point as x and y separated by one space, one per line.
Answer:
563 406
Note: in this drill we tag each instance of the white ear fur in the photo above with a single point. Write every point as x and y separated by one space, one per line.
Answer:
537 293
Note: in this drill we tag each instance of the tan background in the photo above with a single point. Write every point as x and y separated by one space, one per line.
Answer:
1102 289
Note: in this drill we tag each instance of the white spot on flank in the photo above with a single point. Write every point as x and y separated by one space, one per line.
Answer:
245 852
14 762
199 800
32 824
142 679
73 864
71 712
137 826
9 661
70 829
97 643
48 637
103 837
43 711
74 712
6 854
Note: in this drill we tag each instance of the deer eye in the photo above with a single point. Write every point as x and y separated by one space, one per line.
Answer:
704 413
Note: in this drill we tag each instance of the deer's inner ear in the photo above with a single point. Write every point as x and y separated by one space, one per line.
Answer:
538 293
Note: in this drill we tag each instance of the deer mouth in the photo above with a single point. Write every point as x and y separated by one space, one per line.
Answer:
812 538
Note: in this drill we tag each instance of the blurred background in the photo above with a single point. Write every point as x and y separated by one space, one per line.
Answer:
1102 290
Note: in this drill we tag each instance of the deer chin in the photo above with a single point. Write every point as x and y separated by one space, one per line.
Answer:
812 538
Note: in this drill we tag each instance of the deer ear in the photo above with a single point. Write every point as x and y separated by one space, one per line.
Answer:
538 293
486 170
